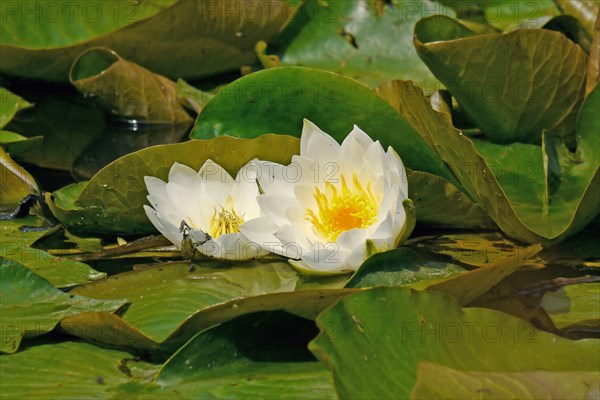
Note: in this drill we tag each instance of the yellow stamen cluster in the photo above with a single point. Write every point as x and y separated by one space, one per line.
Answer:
340 212
225 221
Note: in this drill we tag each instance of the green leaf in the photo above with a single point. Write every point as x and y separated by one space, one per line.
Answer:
362 40
394 329
112 201
164 296
191 97
440 203
197 298
581 305
585 11
401 267
438 382
17 183
257 356
468 286
510 99
503 14
31 306
188 39
277 100
69 370
16 144
68 125
10 104
16 238
125 89
508 181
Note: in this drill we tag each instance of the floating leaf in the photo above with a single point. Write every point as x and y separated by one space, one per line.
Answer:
277 100
401 267
191 97
16 238
584 11
508 181
503 14
69 370
16 183
16 144
112 201
196 300
173 38
440 203
593 67
438 382
582 303
125 89
394 329
358 39
10 104
31 306
514 85
257 356
68 125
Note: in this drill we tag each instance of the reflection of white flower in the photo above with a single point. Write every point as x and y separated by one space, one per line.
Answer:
192 204
334 205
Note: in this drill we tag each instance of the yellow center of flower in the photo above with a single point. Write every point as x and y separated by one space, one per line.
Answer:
339 212
227 220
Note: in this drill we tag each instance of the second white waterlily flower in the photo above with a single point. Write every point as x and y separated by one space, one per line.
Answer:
334 205
205 209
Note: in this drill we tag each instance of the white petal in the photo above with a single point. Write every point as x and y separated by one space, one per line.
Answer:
261 231
326 258
245 192
375 156
352 239
274 207
182 174
295 234
394 164
231 246
215 181
361 138
167 229
155 186
357 257
316 144
275 178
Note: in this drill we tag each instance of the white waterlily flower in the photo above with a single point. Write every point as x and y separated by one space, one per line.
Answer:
334 205
205 209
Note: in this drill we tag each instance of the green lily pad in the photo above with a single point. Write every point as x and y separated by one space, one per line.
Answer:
10 104
197 300
191 97
503 14
514 85
68 123
163 297
17 183
69 370
16 238
277 100
112 201
401 267
256 356
31 306
366 41
16 144
509 183
43 42
394 329
125 89
440 203
581 306
438 382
